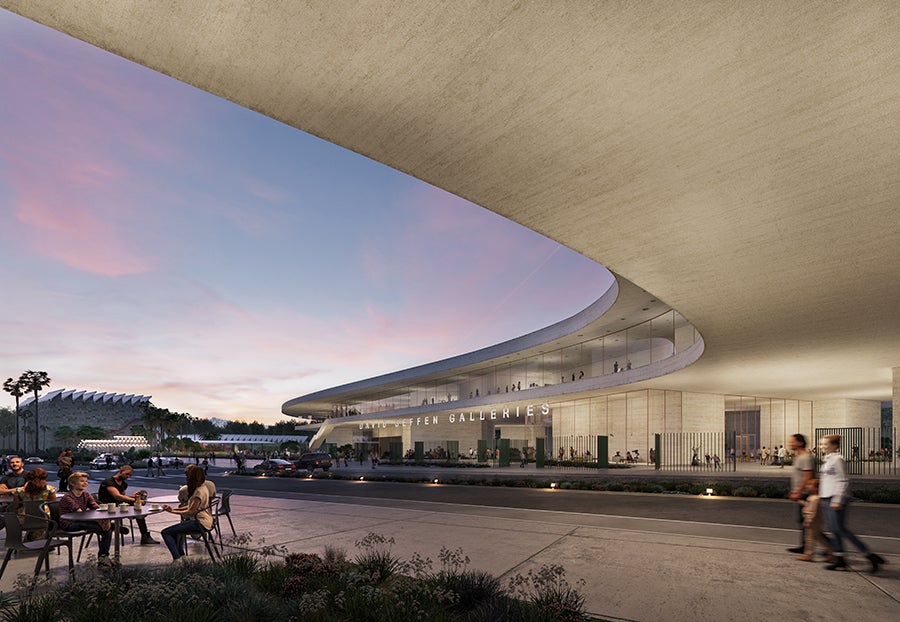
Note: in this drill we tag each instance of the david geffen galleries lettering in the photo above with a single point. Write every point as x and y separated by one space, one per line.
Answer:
491 415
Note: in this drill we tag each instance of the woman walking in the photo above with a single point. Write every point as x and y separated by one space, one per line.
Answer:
834 494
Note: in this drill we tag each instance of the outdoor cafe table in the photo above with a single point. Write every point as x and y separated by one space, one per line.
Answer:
95 516
164 500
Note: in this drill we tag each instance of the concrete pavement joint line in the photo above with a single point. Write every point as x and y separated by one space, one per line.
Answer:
877 587
519 510
426 513
343 531
679 535
536 553
559 539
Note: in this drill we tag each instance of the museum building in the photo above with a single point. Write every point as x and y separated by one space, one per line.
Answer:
561 387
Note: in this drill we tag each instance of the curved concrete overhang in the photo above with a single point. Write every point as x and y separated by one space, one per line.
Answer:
623 305
322 402
739 160
588 387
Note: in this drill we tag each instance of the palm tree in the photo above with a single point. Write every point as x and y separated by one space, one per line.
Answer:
26 428
7 425
35 381
45 429
17 390
25 415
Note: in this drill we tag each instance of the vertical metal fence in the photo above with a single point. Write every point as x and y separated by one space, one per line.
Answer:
698 451
866 451
574 449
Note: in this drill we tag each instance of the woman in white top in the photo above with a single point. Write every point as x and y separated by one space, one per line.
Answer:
834 494
196 512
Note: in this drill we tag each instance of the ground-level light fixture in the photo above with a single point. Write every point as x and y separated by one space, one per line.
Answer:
709 492
552 484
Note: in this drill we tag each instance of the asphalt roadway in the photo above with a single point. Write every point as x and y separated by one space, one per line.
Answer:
639 556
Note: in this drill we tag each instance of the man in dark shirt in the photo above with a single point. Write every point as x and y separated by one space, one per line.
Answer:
112 490
15 477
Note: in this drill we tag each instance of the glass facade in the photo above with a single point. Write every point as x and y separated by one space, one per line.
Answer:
637 346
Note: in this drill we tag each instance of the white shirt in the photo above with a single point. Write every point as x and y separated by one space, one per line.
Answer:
833 479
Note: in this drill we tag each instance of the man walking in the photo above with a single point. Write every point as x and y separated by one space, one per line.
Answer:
804 465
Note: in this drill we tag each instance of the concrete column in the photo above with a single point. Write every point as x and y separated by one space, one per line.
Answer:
895 421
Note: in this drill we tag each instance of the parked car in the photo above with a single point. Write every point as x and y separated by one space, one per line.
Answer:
34 460
171 461
101 462
312 461
274 466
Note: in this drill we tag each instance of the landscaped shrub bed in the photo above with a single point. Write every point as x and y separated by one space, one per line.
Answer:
374 585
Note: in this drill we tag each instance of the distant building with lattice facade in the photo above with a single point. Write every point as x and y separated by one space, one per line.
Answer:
116 413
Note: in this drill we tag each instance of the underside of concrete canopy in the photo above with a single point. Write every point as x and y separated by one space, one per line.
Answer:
739 161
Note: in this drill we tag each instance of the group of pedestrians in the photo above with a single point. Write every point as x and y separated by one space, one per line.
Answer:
823 504
775 456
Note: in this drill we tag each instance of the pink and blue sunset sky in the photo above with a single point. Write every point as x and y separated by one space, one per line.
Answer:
160 241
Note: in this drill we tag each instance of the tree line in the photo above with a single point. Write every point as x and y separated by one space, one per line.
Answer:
28 381
160 426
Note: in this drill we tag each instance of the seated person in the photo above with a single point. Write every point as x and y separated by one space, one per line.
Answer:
112 490
79 500
196 517
183 493
36 488
14 478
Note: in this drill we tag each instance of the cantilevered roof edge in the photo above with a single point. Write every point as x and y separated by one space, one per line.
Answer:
547 334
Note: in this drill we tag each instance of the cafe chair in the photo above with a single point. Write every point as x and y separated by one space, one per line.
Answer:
223 510
208 536
53 508
38 507
16 542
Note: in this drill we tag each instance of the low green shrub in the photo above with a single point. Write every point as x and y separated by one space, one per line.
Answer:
745 491
375 586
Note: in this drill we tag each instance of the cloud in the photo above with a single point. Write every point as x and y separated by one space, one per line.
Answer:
71 138
248 271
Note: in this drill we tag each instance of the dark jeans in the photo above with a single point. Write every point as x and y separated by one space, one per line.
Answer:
142 527
104 538
835 520
171 535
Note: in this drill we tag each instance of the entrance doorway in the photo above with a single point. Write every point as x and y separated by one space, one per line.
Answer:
744 424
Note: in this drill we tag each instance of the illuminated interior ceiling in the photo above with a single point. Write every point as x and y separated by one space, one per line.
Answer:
737 160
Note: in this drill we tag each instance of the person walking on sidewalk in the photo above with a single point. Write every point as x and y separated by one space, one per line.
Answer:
812 524
835 494
804 465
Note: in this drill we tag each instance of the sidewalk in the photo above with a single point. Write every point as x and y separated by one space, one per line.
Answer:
633 568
